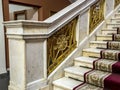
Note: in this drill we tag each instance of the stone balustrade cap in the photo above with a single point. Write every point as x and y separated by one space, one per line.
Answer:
26 23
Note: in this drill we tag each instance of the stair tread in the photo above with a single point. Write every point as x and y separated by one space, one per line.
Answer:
117 13
104 35
113 23
86 59
99 42
115 18
67 83
77 70
93 50
109 29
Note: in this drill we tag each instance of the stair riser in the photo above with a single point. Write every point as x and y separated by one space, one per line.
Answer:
108 32
89 65
59 88
95 45
103 38
112 25
78 63
115 20
91 54
117 16
75 76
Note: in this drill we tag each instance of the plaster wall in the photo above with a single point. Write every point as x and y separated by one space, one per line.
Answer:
32 12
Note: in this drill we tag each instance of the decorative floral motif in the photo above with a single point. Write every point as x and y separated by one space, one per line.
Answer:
110 54
89 87
116 37
60 45
117 2
96 77
104 65
96 14
114 45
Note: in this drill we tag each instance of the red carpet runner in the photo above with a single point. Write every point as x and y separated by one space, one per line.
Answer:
106 70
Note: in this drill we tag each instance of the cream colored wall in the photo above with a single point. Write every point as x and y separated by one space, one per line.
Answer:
2 43
32 13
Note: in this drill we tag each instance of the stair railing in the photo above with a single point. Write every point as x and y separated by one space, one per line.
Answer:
38 48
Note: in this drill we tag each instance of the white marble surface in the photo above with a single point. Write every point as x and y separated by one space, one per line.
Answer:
66 83
83 25
17 64
86 59
2 43
35 60
77 70
109 6
27 63
92 50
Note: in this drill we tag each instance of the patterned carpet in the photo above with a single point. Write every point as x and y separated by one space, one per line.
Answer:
105 74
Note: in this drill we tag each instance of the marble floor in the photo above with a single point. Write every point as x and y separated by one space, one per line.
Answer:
4 81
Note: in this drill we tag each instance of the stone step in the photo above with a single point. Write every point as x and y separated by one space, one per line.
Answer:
76 72
96 77
98 44
65 84
84 61
91 52
107 31
74 75
68 84
87 86
106 54
110 54
104 65
100 64
114 20
112 25
101 37
117 15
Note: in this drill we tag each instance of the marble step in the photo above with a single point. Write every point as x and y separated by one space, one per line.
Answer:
98 44
68 84
112 25
91 52
84 61
115 20
88 62
96 77
117 15
101 37
76 72
107 31
65 83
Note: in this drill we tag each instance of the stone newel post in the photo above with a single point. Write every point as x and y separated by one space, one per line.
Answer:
27 46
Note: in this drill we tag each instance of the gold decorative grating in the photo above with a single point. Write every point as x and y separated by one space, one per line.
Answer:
60 45
96 14
117 2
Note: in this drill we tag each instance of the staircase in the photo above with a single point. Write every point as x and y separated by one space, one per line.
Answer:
98 68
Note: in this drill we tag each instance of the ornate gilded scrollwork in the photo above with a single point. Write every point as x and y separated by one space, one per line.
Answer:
60 45
117 2
96 14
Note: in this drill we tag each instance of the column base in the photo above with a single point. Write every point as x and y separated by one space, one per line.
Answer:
14 86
